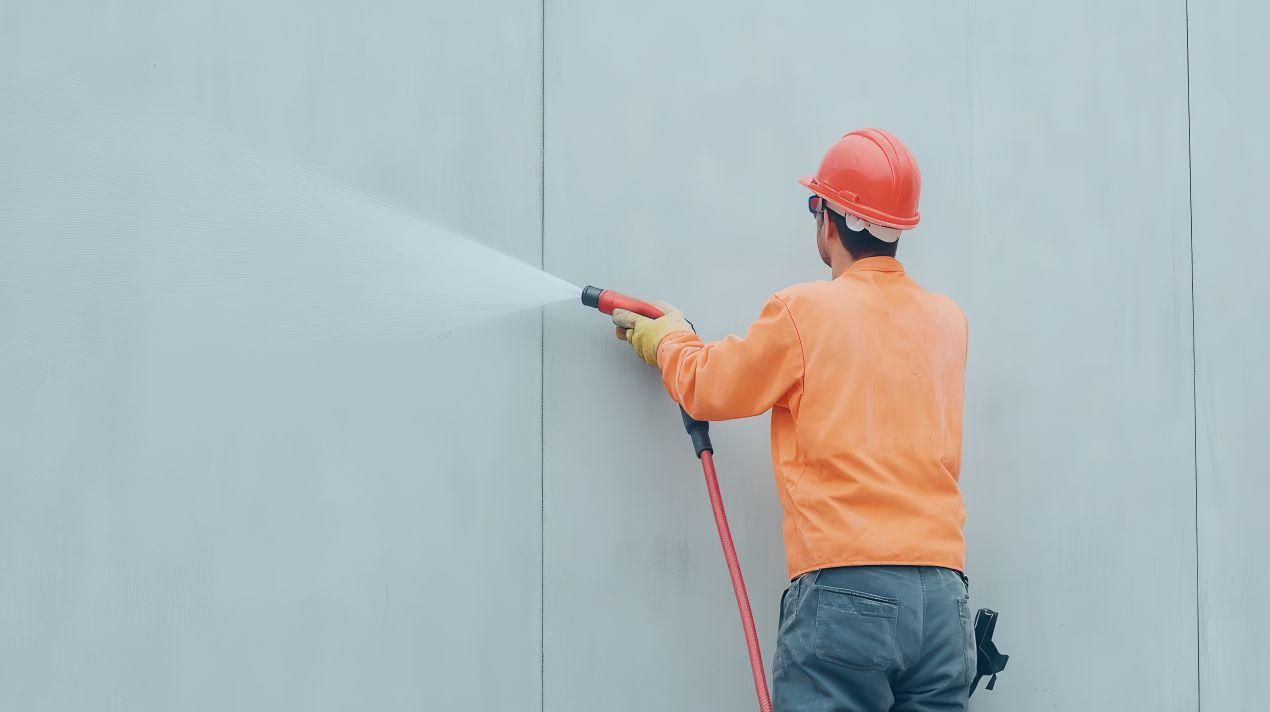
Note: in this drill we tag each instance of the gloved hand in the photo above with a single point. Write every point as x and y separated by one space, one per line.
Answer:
645 334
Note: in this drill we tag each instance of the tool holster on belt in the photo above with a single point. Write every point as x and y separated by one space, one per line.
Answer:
991 661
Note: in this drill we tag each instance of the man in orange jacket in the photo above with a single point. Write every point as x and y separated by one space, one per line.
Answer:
863 375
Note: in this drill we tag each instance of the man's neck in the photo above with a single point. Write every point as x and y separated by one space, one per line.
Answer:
839 262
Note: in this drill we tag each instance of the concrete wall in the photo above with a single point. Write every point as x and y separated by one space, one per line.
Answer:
194 519
1231 169
185 527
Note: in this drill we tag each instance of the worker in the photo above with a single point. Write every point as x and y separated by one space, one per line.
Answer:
863 375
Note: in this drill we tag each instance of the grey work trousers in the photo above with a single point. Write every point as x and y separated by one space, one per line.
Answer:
875 639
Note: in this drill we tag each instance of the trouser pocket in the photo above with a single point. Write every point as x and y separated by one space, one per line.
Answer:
856 629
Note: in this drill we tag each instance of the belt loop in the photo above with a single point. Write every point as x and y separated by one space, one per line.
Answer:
804 584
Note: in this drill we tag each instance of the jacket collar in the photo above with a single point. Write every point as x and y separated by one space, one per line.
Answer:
876 264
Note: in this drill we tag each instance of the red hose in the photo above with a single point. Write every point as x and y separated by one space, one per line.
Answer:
738 582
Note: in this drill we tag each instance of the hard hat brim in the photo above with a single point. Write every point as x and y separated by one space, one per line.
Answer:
850 204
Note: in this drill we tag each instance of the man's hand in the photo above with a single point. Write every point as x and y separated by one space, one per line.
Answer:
645 334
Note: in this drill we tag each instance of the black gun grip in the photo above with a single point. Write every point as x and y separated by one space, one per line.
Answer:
699 431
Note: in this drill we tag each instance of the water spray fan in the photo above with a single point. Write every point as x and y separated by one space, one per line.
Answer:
606 300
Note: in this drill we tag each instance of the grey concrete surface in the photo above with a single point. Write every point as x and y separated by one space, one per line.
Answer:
1079 412
193 524
1231 167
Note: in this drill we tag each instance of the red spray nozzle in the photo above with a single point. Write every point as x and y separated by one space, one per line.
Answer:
606 300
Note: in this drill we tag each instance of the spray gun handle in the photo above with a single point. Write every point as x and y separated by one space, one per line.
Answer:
606 300
630 304
699 431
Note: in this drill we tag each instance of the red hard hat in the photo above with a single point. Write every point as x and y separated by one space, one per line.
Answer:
871 174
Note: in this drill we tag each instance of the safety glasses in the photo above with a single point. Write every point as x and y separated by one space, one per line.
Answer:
815 204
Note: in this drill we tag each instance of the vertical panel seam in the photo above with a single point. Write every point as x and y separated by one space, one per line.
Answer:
1190 209
542 360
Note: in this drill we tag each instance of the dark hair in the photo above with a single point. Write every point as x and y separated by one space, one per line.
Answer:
861 243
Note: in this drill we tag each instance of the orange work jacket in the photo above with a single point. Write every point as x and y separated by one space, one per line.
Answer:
864 377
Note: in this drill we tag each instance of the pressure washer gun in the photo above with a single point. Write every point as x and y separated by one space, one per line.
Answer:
991 661
606 300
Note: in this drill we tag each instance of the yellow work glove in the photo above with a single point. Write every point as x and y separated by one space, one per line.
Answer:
645 334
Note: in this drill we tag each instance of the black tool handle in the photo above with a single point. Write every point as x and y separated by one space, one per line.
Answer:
699 431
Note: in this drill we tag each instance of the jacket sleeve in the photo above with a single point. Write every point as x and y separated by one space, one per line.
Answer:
736 377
